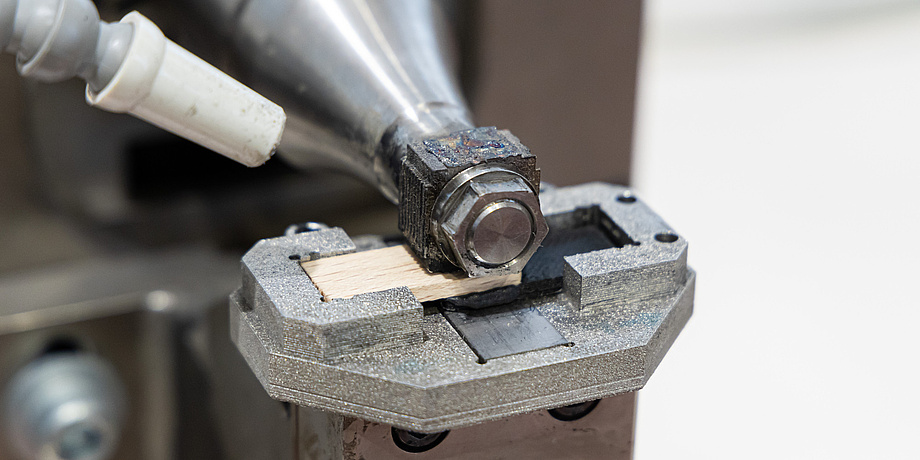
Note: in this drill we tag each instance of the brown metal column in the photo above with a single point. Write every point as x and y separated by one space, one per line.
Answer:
562 77
604 433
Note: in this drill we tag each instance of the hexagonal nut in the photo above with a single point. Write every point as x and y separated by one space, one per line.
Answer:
491 224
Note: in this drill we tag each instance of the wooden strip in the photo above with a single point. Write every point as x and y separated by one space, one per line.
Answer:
344 276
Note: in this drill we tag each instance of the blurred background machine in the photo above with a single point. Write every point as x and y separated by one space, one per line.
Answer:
121 243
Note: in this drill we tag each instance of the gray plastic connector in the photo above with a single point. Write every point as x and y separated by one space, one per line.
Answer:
114 40
55 40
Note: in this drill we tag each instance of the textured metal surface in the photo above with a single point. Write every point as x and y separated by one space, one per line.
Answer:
380 358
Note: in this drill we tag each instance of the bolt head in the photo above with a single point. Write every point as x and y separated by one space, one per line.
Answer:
492 224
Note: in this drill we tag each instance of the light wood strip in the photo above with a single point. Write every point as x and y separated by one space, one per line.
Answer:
344 276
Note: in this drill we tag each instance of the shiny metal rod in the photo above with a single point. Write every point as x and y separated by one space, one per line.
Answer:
359 79
362 80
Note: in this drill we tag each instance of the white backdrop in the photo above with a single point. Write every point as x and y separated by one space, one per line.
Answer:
782 138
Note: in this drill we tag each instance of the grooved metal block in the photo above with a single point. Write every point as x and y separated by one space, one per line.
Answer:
431 163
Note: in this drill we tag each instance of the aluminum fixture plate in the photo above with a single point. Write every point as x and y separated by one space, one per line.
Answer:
380 357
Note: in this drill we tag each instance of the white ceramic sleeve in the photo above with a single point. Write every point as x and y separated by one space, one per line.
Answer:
162 83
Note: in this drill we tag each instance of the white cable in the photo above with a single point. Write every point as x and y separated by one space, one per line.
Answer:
164 84
131 67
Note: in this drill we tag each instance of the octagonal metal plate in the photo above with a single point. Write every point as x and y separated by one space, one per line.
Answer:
380 357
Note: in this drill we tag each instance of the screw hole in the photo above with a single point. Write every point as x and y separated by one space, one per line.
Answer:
626 198
411 441
666 237
294 257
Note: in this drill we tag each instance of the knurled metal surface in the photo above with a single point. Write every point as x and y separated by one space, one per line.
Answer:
380 358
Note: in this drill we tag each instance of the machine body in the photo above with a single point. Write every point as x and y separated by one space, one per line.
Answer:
546 367
597 308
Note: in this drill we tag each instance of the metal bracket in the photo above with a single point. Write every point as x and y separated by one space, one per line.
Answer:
617 301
